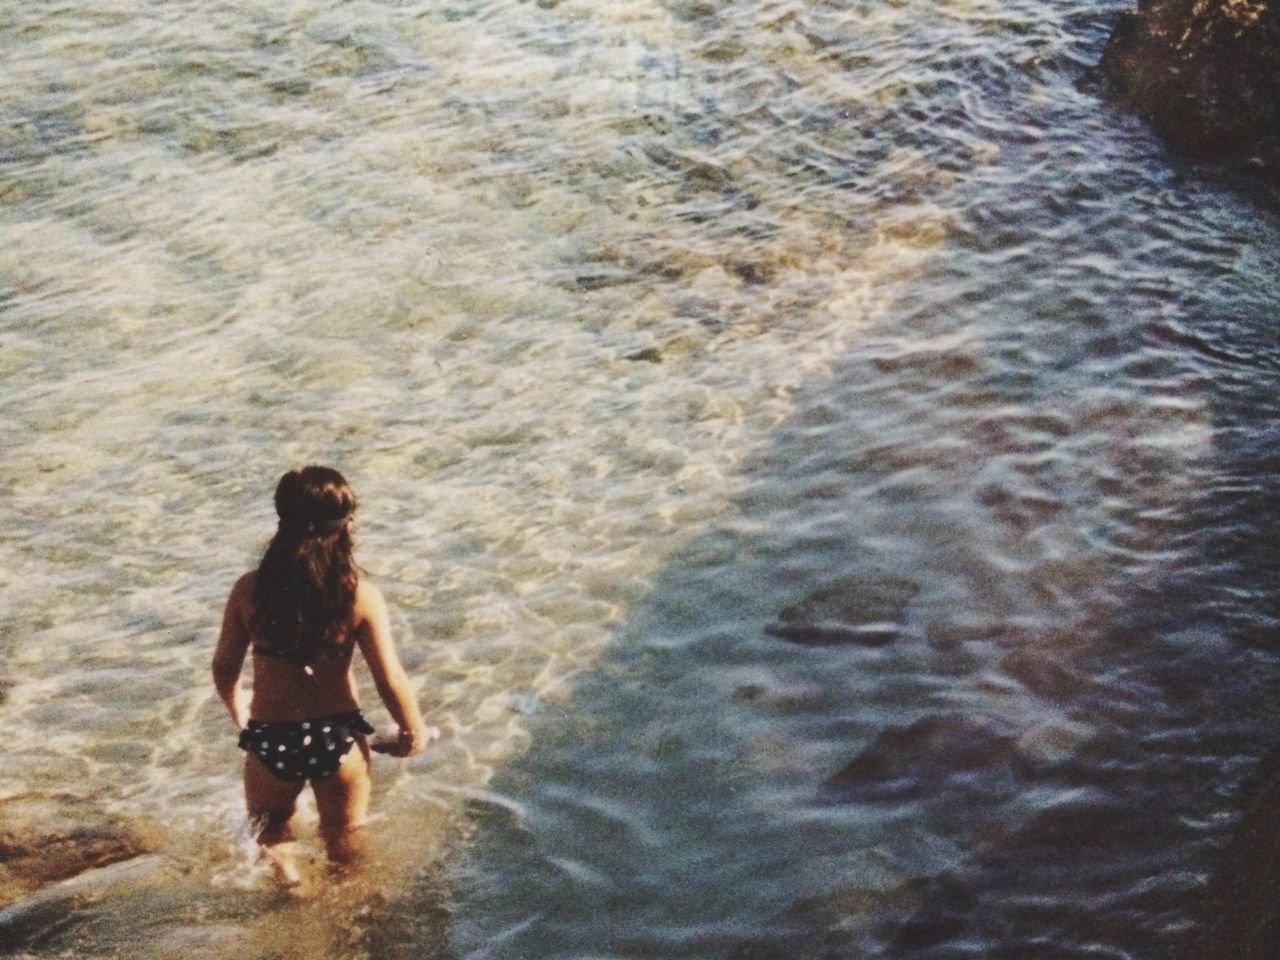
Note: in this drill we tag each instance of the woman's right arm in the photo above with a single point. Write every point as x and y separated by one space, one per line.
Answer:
392 683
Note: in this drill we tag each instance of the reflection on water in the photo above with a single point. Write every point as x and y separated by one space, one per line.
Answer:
641 328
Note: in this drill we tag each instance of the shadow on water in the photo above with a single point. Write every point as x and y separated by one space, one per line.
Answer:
903 704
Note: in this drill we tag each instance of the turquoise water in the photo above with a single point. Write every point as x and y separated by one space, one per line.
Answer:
648 333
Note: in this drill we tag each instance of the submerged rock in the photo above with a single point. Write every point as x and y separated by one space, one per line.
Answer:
1053 743
919 760
910 914
827 634
948 911
865 611
1205 74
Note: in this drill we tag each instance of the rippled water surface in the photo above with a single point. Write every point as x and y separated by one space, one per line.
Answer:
819 456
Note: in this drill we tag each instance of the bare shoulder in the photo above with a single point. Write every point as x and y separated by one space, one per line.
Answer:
242 592
234 636
244 584
370 603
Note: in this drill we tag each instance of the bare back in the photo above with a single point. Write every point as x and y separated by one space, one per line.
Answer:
285 688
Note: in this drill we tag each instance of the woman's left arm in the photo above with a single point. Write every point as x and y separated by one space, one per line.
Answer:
228 656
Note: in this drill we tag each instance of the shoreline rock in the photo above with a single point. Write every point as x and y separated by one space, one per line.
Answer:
51 909
1205 74
46 839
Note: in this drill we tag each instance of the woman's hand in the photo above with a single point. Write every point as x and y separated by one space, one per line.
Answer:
405 743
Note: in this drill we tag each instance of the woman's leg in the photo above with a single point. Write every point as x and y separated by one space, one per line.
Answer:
271 802
342 801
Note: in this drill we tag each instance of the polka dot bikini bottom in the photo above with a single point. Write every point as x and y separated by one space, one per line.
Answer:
297 750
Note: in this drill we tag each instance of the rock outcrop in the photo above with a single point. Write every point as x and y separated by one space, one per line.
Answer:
46 839
1205 74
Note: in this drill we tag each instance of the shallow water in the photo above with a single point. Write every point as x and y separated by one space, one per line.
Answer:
645 331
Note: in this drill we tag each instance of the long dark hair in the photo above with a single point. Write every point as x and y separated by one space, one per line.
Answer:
305 588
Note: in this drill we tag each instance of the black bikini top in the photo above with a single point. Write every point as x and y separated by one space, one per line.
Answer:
338 653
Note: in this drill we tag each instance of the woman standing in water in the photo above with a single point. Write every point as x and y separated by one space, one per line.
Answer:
303 613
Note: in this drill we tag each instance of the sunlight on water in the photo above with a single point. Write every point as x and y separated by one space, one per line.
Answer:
568 291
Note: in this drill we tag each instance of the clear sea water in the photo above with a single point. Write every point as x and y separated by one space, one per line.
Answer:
651 333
